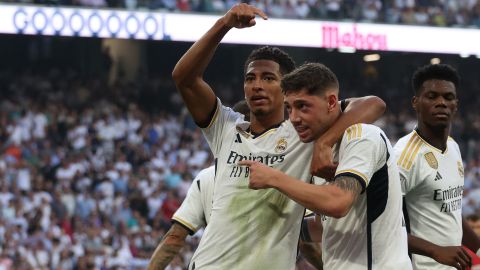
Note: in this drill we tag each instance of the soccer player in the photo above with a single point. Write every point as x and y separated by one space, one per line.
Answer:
363 226
431 173
194 213
249 229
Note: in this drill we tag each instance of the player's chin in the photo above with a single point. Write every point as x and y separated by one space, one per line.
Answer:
259 111
306 140
441 123
305 136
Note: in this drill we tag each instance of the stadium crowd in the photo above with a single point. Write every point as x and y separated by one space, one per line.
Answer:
90 176
465 13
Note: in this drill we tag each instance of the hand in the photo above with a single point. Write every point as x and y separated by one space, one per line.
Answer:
322 161
261 176
454 256
242 16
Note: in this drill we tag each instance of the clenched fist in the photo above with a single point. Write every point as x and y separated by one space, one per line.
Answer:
261 176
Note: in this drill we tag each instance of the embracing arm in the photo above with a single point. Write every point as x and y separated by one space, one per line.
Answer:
359 110
334 199
169 247
188 73
366 109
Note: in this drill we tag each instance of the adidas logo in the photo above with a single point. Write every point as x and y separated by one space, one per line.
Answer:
438 177
238 139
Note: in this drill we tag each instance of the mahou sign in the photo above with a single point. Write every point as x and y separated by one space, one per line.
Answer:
334 37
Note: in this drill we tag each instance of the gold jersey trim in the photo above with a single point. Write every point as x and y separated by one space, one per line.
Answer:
215 115
363 176
354 132
184 223
431 146
410 152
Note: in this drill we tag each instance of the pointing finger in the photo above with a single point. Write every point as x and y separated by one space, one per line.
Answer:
246 163
260 13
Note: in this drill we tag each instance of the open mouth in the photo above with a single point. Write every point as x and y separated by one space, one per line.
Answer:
258 100
302 131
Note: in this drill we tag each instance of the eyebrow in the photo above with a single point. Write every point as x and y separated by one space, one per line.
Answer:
262 74
427 91
298 101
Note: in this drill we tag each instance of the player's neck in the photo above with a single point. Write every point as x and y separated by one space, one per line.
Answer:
436 137
259 124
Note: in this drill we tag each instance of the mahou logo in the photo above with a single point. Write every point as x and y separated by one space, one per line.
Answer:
334 38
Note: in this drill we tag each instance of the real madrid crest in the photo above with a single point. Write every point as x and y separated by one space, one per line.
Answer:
281 146
460 168
431 160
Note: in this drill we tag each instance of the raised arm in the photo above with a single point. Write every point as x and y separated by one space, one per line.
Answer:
169 247
359 110
188 73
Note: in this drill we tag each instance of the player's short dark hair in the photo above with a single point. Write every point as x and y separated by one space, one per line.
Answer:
434 72
275 54
316 78
242 107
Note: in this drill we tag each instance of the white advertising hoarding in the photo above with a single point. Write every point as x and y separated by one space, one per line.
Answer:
39 20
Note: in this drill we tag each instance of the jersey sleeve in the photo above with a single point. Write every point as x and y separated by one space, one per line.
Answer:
223 119
362 152
190 214
412 166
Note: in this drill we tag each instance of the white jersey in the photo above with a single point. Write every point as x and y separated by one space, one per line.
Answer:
432 182
194 213
251 229
373 234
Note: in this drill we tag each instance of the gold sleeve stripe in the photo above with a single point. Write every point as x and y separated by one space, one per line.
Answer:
405 150
354 132
414 155
215 115
363 176
410 151
186 224
359 130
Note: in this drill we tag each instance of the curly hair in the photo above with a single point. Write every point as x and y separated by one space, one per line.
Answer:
275 54
434 72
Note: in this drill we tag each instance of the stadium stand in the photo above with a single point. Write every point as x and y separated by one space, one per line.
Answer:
423 12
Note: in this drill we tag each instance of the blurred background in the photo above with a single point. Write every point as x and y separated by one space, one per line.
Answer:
97 150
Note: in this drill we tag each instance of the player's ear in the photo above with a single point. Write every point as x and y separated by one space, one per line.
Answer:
456 106
414 102
332 100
